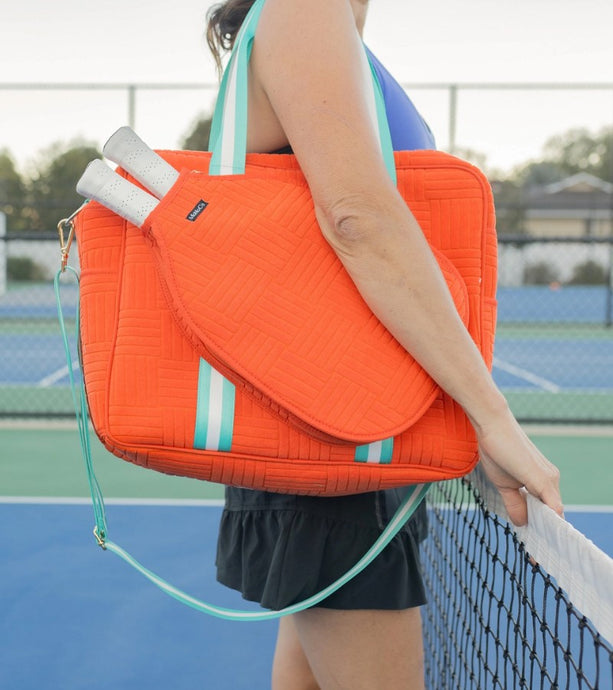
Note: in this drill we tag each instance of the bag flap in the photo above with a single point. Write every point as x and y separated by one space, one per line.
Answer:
262 296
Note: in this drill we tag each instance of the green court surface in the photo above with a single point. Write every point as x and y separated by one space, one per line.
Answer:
46 462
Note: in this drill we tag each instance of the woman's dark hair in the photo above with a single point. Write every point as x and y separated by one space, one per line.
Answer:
223 22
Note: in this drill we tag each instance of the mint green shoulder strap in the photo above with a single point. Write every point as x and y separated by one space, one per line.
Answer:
228 143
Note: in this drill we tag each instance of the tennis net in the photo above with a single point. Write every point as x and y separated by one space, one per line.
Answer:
512 608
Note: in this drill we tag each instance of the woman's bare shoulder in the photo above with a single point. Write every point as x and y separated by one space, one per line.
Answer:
308 90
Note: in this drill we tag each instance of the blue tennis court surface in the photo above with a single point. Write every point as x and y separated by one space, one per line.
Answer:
32 360
75 617
553 364
37 301
524 304
553 360
542 363
542 304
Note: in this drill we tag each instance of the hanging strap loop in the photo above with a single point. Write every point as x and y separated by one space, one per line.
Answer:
80 406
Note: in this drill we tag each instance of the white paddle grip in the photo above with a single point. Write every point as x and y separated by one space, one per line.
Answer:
105 186
129 151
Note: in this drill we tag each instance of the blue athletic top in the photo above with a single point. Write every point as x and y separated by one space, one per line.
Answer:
408 128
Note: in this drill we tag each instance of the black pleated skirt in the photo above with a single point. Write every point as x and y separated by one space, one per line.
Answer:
279 549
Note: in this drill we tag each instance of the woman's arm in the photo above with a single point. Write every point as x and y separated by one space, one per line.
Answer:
307 80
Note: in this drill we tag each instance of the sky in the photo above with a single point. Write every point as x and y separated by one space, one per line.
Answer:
432 42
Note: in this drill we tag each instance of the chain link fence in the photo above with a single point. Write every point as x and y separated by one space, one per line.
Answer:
33 374
554 344
554 350
554 347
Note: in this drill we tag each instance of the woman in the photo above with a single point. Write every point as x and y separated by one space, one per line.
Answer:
306 93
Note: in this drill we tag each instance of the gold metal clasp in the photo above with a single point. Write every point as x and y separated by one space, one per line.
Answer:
99 538
66 242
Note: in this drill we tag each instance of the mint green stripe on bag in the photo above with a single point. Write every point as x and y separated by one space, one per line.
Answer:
379 452
215 410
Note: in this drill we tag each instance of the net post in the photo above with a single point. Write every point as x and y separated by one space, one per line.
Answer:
3 254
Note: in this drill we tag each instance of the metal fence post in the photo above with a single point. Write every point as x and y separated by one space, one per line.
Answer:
132 106
453 115
609 302
3 253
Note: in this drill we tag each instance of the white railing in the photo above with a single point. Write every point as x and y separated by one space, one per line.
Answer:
508 121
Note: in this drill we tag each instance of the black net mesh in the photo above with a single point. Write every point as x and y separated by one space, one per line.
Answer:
495 619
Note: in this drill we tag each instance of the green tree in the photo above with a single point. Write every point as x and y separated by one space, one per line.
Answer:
589 272
12 193
574 151
538 173
540 273
579 150
473 156
510 209
197 139
25 268
51 188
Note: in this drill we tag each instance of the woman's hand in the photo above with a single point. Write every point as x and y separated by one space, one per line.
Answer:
511 461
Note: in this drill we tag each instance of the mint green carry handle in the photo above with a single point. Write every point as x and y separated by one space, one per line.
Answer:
228 138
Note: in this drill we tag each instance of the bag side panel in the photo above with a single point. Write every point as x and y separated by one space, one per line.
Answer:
100 243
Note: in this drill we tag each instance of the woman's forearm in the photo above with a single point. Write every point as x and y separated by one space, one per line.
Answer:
392 266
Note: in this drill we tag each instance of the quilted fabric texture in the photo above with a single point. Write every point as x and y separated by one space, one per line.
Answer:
261 297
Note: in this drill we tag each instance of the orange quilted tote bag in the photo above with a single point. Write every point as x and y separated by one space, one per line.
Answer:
224 340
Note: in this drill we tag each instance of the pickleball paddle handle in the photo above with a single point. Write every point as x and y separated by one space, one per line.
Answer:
102 184
129 151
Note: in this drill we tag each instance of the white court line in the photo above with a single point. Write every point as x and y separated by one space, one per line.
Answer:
590 430
572 430
526 375
83 501
587 509
198 502
56 376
